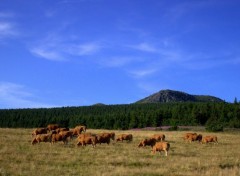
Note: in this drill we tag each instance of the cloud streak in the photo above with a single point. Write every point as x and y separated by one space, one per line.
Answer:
17 96
7 29
55 48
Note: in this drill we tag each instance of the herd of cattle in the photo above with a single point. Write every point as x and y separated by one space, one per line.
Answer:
54 133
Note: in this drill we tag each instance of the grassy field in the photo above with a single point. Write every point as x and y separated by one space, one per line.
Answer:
19 157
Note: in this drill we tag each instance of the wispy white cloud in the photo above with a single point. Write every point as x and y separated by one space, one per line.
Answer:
144 47
83 49
7 29
47 54
57 48
143 72
18 96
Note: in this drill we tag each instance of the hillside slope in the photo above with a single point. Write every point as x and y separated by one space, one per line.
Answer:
166 96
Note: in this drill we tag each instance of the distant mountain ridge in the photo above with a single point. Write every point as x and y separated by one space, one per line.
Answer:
167 96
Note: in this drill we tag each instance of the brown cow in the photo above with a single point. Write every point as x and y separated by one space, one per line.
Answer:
62 136
104 138
208 139
161 146
151 142
127 137
86 139
186 136
42 138
192 137
67 134
159 137
39 131
82 127
78 130
51 127
58 137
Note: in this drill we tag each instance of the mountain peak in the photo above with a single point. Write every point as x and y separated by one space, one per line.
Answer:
165 96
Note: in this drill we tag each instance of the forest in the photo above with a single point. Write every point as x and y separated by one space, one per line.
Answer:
214 116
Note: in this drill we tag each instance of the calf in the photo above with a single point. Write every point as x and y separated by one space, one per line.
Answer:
161 146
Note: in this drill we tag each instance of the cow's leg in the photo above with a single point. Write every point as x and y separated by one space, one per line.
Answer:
166 153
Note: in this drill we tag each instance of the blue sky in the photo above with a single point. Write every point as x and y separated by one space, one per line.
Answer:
58 53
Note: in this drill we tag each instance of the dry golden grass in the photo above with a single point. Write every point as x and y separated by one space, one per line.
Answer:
19 157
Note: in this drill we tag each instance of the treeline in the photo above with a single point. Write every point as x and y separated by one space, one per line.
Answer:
212 115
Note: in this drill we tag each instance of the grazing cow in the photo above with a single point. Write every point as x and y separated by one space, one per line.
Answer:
159 137
42 138
161 146
208 139
104 138
109 134
192 137
86 139
187 135
127 137
151 142
51 127
61 136
39 131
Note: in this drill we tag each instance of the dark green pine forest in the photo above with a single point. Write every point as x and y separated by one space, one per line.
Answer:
215 116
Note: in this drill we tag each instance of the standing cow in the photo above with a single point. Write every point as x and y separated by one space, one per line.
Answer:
161 146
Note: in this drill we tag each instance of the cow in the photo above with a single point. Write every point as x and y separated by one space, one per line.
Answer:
51 127
67 134
104 138
159 137
86 139
150 142
161 146
208 139
39 131
42 138
82 128
58 137
187 135
61 136
78 130
127 137
193 137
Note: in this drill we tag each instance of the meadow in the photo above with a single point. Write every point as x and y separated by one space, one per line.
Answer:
19 157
